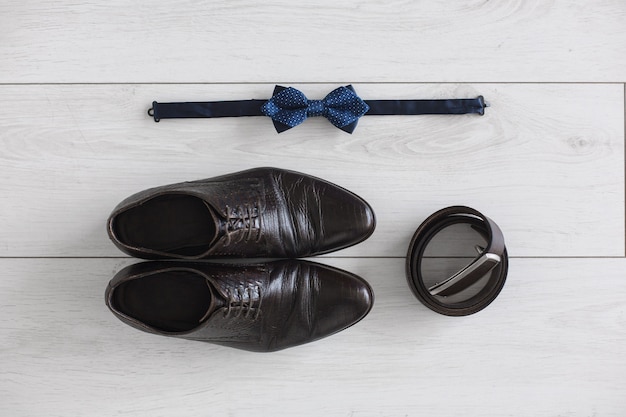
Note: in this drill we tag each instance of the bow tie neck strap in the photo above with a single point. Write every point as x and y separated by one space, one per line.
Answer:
417 107
205 109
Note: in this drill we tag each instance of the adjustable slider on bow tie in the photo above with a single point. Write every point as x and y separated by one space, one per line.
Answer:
289 107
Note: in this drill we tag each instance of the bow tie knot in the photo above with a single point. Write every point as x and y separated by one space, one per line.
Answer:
289 107
315 108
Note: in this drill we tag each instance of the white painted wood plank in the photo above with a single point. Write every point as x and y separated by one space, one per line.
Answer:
546 161
320 40
551 344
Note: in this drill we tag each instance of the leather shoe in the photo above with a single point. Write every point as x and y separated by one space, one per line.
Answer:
258 213
258 307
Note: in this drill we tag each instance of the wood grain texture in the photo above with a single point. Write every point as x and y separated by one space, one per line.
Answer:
320 40
550 345
545 162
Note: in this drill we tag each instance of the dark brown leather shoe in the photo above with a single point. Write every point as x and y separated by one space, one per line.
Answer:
260 213
260 307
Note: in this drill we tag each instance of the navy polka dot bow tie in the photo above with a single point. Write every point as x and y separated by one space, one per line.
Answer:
290 107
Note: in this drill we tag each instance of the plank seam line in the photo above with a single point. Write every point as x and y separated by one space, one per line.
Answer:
17 84
311 258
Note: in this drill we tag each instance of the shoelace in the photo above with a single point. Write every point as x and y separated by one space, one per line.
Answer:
237 300
243 217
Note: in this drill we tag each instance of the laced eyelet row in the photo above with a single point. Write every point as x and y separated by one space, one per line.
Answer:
237 300
246 217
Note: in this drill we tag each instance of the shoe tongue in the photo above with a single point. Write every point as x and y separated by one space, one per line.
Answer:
217 302
218 221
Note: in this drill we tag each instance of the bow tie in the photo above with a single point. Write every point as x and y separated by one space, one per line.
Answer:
289 107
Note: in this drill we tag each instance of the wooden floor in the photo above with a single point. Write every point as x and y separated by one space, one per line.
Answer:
546 162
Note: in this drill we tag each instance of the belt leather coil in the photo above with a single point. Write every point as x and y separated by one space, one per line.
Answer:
492 260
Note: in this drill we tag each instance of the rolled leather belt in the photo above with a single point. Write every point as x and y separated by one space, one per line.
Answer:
443 296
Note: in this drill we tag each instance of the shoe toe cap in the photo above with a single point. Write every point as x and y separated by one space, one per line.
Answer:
342 300
325 217
346 219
